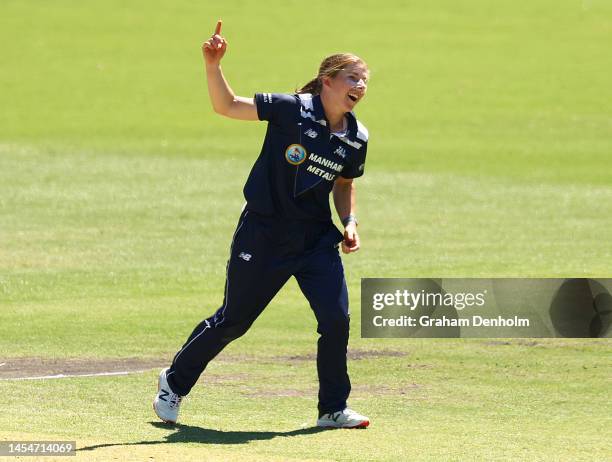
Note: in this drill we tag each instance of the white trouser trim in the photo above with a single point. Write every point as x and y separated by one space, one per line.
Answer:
226 295
218 322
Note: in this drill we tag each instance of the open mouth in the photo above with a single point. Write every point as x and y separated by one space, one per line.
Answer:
353 97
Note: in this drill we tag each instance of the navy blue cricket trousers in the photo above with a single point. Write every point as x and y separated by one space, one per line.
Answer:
265 253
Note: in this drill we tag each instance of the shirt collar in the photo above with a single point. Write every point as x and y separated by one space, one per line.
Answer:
317 105
352 125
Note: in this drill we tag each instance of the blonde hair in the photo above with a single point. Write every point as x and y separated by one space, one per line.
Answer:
330 67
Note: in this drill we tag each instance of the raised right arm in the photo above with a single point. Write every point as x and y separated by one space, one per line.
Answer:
222 97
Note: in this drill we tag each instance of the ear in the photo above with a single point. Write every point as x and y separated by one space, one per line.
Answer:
325 81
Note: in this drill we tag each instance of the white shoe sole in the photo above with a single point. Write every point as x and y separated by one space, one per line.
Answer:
363 424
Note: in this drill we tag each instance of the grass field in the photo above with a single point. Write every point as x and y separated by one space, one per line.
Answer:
490 155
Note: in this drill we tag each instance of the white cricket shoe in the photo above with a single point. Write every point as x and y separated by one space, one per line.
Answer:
166 404
343 419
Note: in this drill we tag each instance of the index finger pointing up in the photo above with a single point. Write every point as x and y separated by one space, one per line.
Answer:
218 28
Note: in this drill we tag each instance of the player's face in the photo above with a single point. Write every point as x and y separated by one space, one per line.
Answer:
349 86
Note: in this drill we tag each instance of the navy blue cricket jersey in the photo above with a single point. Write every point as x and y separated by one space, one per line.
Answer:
300 159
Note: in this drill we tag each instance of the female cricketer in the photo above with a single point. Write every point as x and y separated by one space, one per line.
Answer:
314 145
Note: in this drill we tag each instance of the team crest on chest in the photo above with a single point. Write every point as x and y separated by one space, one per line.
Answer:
295 154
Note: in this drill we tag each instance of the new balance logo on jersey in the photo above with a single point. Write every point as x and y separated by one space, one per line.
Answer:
310 132
245 256
340 151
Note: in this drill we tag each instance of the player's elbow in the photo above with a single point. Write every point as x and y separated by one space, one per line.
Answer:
221 109
223 105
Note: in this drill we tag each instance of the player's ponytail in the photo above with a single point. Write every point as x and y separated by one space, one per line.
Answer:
314 87
330 67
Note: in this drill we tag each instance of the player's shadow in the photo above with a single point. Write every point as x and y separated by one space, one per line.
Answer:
190 434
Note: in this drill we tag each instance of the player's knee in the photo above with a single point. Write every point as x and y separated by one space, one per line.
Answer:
231 332
334 325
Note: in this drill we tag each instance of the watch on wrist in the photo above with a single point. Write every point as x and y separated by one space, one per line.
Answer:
350 219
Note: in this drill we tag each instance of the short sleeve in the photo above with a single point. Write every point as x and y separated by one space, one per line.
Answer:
276 107
356 165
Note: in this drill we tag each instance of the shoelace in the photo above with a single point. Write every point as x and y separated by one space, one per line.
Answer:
347 412
175 400
350 413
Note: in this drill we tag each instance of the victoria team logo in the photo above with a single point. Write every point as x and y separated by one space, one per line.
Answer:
295 154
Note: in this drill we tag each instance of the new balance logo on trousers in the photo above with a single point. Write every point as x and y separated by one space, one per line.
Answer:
245 256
